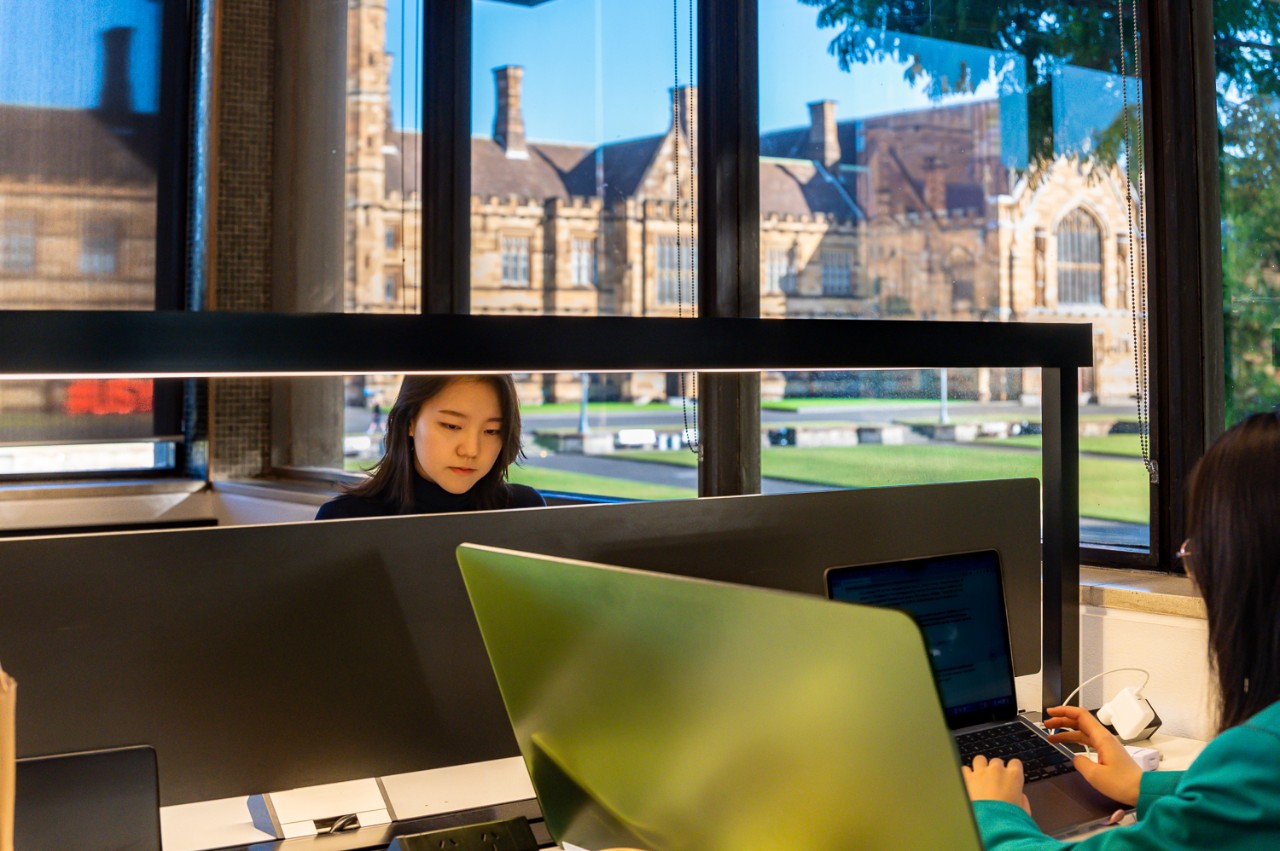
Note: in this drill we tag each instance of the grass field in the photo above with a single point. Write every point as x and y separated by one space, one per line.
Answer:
559 480
1121 445
840 402
1110 488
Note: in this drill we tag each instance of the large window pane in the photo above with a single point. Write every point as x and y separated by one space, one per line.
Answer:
80 161
583 176
915 165
383 141
602 445
1249 135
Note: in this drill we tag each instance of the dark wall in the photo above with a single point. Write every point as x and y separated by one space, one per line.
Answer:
262 658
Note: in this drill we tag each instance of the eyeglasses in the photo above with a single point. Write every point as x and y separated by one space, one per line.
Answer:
1184 554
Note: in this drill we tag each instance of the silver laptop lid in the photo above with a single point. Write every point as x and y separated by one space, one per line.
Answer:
667 713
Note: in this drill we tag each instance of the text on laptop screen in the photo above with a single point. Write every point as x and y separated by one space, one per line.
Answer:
959 603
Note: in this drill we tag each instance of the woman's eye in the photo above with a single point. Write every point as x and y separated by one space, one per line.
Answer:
494 432
451 426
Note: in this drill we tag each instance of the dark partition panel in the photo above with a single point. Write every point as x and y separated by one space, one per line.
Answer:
261 658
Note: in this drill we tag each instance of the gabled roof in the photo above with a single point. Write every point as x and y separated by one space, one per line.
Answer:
52 145
799 187
550 171
625 165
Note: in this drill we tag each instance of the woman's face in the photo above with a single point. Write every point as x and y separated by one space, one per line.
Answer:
458 435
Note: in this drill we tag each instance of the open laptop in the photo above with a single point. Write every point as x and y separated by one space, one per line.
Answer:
958 600
666 713
93 799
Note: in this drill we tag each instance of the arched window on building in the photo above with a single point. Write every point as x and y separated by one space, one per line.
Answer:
960 275
1079 259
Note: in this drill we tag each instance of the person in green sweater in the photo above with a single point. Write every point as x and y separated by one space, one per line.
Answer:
1230 796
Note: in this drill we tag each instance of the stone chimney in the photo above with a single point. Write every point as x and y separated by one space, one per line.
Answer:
115 102
684 104
824 141
508 122
935 184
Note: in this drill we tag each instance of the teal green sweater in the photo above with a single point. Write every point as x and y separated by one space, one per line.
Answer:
1228 799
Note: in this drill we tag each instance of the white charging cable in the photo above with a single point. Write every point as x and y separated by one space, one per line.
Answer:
1143 671
1128 712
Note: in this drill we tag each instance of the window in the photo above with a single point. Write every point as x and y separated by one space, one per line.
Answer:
780 271
17 245
98 249
1248 113
927 165
837 273
1079 259
515 261
583 263
677 271
390 239
91 113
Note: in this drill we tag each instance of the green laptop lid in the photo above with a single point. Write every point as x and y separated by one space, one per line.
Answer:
667 713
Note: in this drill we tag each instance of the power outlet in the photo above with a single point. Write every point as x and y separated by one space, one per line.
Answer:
509 835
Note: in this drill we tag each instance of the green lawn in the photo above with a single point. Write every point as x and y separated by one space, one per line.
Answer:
559 480
594 408
1121 445
1110 488
839 402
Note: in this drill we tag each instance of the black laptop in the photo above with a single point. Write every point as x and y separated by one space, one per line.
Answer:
91 800
958 601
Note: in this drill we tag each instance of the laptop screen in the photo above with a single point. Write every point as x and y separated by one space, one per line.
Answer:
958 602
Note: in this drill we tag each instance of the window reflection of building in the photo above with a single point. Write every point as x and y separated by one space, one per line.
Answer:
78 198
1079 259
910 215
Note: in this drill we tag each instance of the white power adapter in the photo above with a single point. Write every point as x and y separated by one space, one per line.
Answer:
1148 759
1128 713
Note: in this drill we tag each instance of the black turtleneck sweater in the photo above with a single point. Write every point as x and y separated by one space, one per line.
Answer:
428 498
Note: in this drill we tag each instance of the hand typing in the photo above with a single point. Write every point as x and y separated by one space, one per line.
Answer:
1115 774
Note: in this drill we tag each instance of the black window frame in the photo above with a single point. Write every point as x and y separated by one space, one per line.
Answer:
1178 73
175 135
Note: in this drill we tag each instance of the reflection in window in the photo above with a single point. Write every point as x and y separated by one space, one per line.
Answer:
17 245
515 261
677 271
837 273
780 271
583 262
98 248
1079 259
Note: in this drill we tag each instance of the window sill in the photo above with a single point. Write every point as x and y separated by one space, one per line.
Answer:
1140 591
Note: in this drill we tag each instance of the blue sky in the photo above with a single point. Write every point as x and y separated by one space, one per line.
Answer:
595 70
51 50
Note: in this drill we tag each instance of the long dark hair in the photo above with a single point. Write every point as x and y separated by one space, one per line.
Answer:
1233 523
391 480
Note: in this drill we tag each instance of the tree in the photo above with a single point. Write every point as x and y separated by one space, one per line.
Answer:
1086 33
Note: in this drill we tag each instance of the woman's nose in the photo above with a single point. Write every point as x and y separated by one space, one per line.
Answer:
469 445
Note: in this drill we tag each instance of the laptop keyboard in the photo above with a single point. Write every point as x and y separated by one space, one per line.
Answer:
1015 740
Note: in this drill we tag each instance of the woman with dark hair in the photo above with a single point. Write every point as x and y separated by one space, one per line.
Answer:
450 440
1230 797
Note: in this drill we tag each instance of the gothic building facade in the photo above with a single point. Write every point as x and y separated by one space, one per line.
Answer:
908 215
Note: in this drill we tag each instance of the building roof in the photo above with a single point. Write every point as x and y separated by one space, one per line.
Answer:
548 172
799 187
53 145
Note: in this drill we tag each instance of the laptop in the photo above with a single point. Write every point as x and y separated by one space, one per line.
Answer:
94 799
673 714
958 600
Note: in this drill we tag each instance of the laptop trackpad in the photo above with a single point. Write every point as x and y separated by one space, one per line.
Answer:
1067 802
